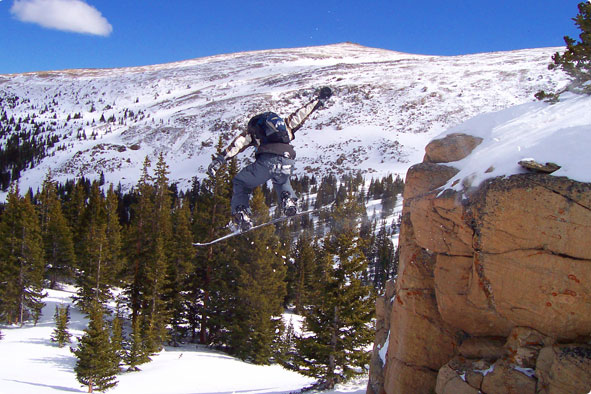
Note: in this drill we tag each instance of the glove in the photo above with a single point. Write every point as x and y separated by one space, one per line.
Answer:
325 93
215 165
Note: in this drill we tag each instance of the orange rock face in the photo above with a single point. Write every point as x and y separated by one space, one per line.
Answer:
500 276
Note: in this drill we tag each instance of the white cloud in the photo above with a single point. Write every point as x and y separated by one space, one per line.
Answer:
67 15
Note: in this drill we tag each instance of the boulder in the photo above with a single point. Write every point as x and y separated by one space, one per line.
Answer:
450 382
419 343
404 378
564 369
523 346
452 147
462 298
533 212
541 290
483 348
532 165
424 177
416 265
506 379
440 224
417 335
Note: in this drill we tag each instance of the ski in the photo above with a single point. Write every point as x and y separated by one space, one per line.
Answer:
276 220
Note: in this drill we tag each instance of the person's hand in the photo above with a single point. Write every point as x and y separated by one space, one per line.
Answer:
215 165
325 93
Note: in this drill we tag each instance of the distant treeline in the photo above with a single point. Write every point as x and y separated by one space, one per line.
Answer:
26 140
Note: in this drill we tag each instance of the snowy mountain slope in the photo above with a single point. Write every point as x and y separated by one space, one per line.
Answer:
387 105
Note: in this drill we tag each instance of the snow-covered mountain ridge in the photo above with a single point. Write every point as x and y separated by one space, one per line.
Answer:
387 106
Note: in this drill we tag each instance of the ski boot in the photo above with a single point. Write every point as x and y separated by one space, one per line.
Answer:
289 204
241 219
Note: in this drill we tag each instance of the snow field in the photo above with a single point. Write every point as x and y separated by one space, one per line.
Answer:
31 364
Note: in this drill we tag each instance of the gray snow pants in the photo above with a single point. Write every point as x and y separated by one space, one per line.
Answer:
266 166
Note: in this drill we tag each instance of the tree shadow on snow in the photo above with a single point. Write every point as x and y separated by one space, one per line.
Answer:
39 341
64 363
59 388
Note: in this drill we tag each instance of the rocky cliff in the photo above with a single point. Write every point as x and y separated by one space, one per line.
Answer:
494 287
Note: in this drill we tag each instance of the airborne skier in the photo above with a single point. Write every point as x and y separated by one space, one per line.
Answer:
271 135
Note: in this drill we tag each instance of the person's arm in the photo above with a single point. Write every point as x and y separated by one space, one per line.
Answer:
240 143
297 119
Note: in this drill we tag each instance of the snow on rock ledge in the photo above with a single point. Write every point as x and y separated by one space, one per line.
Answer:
559 133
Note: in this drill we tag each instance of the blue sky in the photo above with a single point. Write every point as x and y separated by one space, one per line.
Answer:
40 35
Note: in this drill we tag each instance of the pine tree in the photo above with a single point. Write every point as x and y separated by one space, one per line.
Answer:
576 60
149 241
61 335
97 363
327 191
92 278
383 262
159 262
389 197
114 256
212 278
117 338
260 290
337 324
139 242
286 349
9 266
21 260
99 248
136 352
302 277
179 270
74 211
57 236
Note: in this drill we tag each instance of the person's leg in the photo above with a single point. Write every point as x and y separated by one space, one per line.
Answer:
245 181
283 188
281 174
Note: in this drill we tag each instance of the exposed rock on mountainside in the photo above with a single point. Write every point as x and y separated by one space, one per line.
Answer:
493 293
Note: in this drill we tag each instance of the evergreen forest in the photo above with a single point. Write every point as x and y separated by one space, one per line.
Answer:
144 285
